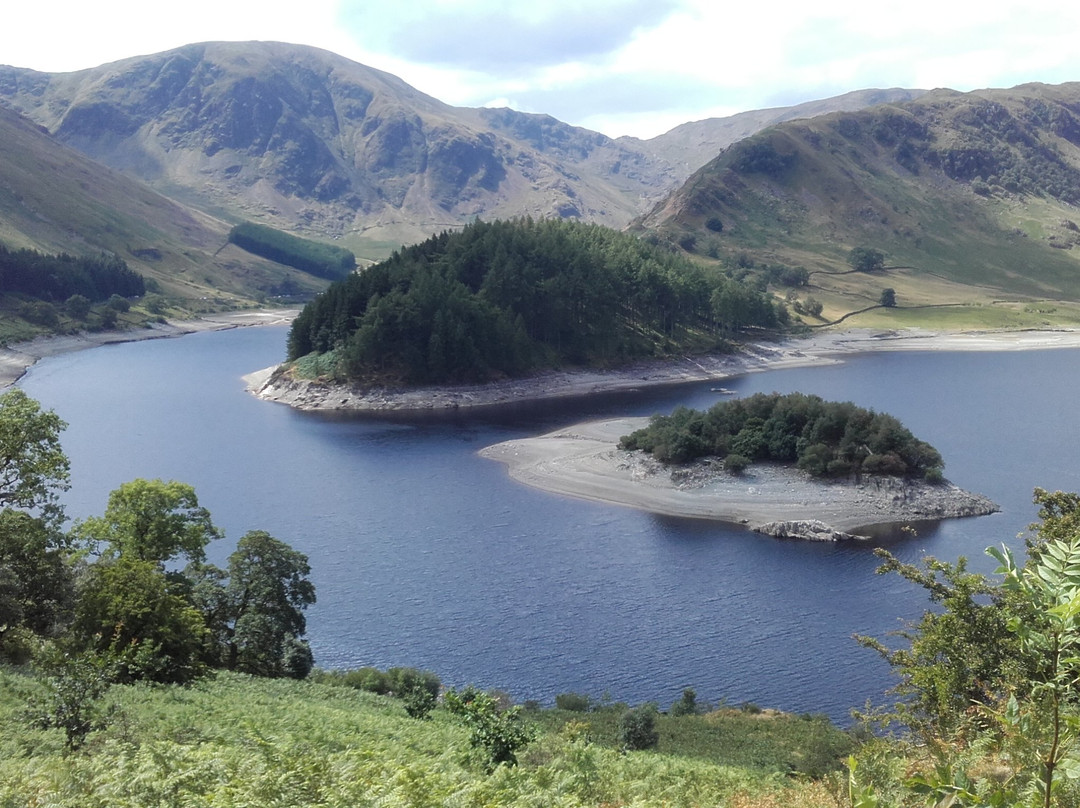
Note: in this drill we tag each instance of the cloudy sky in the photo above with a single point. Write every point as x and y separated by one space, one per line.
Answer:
622 67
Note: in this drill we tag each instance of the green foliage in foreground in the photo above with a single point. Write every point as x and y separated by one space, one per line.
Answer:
237 741
989 680
313 257
826 439
508 298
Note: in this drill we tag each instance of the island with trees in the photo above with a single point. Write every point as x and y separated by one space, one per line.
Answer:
823 438
790 466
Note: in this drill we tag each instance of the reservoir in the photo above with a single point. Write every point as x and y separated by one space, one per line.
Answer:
424 554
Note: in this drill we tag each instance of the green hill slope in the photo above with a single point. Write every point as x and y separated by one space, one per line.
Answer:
54 199
975 195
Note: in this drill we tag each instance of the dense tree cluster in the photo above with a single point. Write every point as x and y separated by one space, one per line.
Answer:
826 439
131 612
506 298
313 257
56 278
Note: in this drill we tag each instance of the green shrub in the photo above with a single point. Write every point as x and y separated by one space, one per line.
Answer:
407 680
121 304
637 728
687 705
736 463
417 699
498 733
573 702
77 306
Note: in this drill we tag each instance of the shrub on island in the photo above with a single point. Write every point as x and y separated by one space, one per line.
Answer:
823 438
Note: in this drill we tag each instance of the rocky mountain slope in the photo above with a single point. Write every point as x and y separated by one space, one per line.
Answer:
978 190
309 141
314 143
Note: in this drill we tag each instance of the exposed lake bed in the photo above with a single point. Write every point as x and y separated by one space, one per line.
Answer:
277 384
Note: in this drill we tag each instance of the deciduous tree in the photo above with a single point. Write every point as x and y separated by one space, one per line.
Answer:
866 259
33 468
129 610
152 520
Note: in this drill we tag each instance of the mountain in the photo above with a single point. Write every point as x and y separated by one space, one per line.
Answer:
311 142
55 199
692 145
974 194
308 141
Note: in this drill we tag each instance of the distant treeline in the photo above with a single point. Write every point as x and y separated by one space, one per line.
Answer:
55 278
509 297
824 438
313 257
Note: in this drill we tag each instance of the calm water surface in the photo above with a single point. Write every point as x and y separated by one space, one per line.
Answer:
424 554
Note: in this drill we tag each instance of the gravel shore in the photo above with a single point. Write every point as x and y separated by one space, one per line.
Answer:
16 359
272 384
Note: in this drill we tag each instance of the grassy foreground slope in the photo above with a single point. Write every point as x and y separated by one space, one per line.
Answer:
972 197
234 741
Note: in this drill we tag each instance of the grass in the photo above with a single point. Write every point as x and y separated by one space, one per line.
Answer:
238 741
766 741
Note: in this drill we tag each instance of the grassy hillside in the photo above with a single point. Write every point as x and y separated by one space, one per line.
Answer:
235 741
54 199
972 198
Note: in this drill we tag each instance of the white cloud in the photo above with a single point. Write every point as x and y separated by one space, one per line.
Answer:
74 34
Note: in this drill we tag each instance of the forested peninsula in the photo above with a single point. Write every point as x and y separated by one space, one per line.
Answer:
512 298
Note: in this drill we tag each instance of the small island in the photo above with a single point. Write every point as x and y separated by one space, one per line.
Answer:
832 469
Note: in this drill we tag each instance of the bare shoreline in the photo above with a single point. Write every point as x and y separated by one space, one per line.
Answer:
16 359
584 461
818 349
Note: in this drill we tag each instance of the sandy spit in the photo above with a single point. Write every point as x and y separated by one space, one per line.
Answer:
16 359
819 349
584 461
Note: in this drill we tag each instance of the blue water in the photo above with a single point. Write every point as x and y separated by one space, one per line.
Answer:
425 554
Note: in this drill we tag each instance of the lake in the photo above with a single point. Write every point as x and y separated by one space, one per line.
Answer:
424 554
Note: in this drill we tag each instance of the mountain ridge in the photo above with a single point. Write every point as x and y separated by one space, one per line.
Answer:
975 190
311 142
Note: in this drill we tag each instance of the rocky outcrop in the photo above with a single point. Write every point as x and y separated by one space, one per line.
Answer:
806 529
883 500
